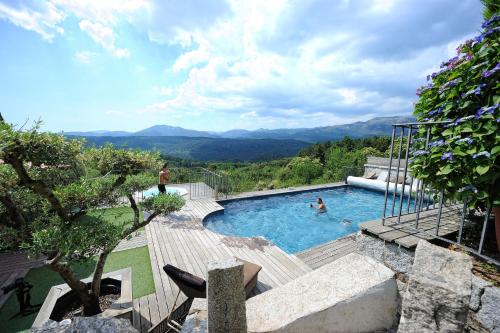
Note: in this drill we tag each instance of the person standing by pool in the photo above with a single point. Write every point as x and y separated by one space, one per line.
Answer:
321 205
164 176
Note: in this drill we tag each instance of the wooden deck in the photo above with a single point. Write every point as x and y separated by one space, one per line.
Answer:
326 253
406 233
181 240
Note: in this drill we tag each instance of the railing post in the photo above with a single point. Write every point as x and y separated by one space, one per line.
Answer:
388 173
422 190
397 170
462 221
440 210
404 175
485 226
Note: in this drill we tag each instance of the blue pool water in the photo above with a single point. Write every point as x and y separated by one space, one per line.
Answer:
289 222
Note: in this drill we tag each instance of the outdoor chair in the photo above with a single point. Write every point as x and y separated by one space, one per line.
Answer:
195 287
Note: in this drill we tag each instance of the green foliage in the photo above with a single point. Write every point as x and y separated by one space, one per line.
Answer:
319 163
463 153
208 149
164 203
52 188
491 8
302 170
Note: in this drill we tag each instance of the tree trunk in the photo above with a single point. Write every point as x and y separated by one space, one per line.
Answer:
496 211
91 307
96 279
134 207
89 301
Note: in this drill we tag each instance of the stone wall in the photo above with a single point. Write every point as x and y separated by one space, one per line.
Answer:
484 313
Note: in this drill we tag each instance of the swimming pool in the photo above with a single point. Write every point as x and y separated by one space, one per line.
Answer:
169 189
289 222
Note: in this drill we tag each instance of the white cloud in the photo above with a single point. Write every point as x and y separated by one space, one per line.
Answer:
97 18
85 57
282 62
104 36
44 21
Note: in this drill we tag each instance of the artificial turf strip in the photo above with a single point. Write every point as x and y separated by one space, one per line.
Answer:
43 278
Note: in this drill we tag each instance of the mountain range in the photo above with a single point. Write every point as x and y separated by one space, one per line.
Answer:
372 127
236 145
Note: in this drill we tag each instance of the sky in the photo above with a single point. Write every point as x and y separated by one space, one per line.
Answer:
81 65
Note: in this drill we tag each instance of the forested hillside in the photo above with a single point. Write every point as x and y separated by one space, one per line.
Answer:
316 164
207 149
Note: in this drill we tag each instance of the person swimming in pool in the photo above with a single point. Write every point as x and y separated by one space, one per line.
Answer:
320 207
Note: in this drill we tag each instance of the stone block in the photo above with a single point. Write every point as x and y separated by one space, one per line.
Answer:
226 297
489 313
352 294
478 286
88 325
438 293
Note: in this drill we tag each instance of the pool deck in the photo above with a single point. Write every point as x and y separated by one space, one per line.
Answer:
181 240
406 234
323 254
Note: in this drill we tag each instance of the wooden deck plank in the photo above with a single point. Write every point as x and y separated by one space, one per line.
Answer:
136 315
145 315
156 264
153 309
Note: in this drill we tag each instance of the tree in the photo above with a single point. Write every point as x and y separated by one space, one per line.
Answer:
49 184
303 170
463 155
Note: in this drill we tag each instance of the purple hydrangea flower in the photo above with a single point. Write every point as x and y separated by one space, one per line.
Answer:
478 89
437 143
466 140
448 84
493 19
483 153
489 110
492 71
436 112
424 88
491 31
447 156
420 152
478 39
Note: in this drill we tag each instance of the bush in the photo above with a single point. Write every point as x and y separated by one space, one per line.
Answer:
462 157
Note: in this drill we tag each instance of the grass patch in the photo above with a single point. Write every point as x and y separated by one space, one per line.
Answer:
43 278
122 216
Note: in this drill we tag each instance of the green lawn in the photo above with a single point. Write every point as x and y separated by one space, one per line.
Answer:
43 278
117 215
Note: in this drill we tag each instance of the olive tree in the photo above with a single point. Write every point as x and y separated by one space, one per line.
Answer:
48 186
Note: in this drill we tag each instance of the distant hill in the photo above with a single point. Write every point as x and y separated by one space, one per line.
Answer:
373 127
165 130
207 149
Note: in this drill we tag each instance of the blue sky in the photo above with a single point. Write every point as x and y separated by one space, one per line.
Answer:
220 65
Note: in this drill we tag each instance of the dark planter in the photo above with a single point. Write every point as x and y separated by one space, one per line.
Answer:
61 297
70 300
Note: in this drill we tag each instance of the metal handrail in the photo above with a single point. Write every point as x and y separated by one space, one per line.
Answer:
424 193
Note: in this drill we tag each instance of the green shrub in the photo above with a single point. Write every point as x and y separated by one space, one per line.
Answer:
462 157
